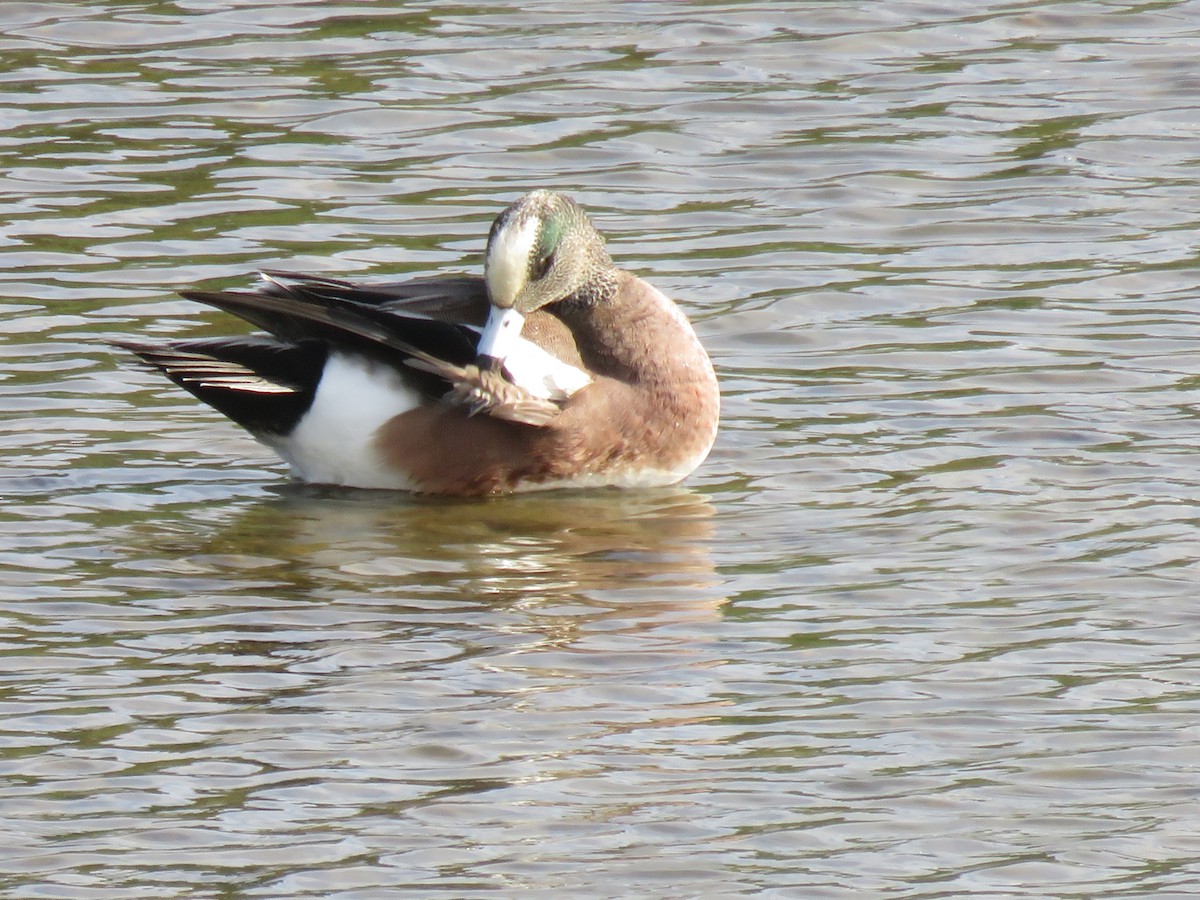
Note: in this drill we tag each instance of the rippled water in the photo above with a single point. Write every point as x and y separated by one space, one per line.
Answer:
924 625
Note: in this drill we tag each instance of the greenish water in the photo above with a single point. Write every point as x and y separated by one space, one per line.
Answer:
925 624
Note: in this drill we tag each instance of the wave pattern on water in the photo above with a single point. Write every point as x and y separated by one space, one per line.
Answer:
923 625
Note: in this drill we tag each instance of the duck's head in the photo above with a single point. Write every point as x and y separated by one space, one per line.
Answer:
541 249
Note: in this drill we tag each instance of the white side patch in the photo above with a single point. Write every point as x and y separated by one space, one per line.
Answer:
507 265
334 441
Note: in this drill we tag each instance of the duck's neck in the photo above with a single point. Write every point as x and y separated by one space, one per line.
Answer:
621 326
599 290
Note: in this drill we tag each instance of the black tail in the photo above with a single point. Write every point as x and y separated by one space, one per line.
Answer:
262 384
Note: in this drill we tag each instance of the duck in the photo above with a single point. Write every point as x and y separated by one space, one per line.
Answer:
554 370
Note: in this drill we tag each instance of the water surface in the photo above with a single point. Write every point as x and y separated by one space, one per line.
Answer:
923 626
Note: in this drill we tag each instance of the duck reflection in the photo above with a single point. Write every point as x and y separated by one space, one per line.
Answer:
478 623
607 547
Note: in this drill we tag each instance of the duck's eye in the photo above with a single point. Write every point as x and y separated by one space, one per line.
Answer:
541 266
550 234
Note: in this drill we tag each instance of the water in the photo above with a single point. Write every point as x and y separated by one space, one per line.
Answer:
923 626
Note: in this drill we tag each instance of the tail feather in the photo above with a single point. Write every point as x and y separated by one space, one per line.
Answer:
262 384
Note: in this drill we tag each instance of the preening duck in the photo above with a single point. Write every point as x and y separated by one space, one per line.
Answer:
555 369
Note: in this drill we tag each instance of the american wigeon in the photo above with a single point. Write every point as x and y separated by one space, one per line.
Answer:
555 369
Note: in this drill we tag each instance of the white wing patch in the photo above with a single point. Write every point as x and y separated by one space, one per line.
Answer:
535 371
539 373
543 374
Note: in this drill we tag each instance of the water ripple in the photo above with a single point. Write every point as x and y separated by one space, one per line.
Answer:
922 626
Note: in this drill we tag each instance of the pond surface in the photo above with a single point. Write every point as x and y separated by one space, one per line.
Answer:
925 624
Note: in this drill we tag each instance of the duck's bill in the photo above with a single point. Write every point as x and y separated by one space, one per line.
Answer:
500 334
